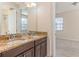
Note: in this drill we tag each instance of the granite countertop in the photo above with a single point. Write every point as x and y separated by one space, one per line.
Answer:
10 44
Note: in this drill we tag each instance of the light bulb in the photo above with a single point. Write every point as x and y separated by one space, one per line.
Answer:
31 4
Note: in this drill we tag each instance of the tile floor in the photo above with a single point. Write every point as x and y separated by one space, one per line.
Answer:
67 48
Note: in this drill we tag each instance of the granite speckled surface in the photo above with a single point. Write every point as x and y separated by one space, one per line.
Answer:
10 44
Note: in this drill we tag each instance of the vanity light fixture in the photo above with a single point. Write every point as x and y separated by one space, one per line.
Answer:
31 4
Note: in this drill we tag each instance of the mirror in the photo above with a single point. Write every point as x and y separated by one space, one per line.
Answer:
24 20
18 18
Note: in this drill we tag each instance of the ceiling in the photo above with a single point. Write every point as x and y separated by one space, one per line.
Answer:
65 6
14 5
7 7
60 6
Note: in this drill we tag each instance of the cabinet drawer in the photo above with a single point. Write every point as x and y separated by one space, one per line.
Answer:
37 42
14 52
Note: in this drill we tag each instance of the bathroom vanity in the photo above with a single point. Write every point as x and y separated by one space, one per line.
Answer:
21 20
25 47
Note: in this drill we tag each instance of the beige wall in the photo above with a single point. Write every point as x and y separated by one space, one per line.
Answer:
71 25
32 19
44 16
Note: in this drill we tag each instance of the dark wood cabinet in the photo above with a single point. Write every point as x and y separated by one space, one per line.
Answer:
41 47
21 55
43 50
37 51
18 51
0 55
29 53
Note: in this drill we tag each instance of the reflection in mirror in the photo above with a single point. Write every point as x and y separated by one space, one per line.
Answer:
28 21
18 18
11 22
24 20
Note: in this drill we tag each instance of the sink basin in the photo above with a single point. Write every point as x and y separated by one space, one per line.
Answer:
12 42
16 42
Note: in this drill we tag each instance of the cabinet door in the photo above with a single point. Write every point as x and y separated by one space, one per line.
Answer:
37 51
18 50
43 49
29 53
0 55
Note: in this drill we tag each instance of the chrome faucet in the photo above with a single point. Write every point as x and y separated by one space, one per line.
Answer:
11 37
